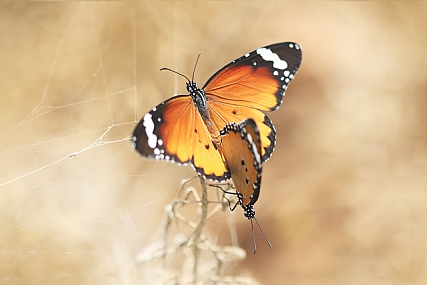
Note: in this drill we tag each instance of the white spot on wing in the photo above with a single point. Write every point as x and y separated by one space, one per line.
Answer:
268 55
134 141
149 130
256 154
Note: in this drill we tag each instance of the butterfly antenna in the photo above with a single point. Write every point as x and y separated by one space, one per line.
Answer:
253 235
265 237
176 72
194 70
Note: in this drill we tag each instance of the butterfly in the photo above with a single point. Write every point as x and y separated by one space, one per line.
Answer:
242 151
186 128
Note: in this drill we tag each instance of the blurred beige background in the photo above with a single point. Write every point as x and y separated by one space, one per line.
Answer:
343 198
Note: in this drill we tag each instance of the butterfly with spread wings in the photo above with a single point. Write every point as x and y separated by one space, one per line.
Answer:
186 128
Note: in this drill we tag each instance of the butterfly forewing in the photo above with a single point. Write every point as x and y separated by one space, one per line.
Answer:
159 132
253 82
174 131
258 79
242 151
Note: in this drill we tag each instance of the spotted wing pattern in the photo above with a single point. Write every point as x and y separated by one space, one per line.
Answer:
174 131
182 128
242 152
256 81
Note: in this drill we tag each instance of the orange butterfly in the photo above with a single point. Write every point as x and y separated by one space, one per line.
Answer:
242 151
185 128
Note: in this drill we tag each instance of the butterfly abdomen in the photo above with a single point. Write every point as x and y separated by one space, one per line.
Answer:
201 103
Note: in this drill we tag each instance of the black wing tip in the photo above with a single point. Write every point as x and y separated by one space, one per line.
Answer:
291 52
295 56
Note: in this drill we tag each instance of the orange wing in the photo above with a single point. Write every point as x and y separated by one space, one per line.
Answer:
174 131
258 79
242 151
222 113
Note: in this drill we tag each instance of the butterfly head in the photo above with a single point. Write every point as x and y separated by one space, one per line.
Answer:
192 87
199 98
249 211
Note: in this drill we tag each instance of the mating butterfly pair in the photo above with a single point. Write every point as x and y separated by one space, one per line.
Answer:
199 127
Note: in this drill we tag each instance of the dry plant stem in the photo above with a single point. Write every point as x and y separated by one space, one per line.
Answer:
200 225
171 215
197 267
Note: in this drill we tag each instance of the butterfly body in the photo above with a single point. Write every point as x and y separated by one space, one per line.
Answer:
199 98
201 103
185 128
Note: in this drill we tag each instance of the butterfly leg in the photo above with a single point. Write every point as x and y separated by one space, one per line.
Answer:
239 196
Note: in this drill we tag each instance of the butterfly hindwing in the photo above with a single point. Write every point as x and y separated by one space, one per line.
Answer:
242 151
206 160
222 113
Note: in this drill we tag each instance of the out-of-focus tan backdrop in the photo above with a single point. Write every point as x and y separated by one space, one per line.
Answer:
343 198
